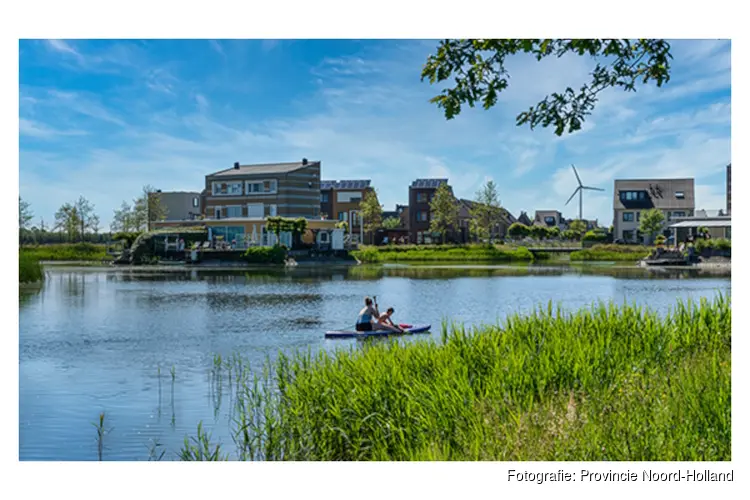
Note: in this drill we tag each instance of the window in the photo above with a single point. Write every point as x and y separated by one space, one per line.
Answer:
627 216
638 216
217 212
234 211
261 187
423 216
343 216
680 195
269 211
255 210
421 197
226 188
678 214
549 220
628 235
196 202
632 195
324 197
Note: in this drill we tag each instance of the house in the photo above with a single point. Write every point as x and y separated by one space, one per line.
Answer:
717 222
498 232
179 205
236 202
421 192
524 219
340 200
729 189
550 218
674 197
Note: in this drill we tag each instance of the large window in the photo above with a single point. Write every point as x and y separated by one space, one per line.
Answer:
234 211
421 197
324 197
226 188
196 202
255 210
627 216
423 216
549 220
343 216
261 187
632 195
269 210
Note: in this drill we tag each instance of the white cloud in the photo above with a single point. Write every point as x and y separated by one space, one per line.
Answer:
31 128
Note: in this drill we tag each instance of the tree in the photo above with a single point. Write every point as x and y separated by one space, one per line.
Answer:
147 208
651 222
391 223
24 214
486 212
443 211
88 220
67 221
479 73
518 230
123 219
577 228
371 212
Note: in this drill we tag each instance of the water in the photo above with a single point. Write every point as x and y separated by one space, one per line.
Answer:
104 340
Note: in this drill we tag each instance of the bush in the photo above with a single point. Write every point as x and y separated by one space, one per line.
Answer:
660 239
266 255
595 235
518 230
29 268
128 238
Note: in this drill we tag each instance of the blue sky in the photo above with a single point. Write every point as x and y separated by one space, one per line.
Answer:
102 118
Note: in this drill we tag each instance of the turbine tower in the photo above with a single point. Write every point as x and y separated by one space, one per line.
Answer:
579 190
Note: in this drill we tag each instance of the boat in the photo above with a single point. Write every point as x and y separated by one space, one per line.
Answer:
347 334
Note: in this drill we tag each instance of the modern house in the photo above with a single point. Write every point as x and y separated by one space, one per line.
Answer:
674 197
340 200
550 218
717 222
498 231
398 234
236 202
179 205
421 192
729 189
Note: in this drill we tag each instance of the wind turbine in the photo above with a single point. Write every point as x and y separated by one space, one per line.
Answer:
579 190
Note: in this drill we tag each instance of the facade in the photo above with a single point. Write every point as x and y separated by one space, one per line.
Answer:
674 197
729 189
180 205
550 218
339 198
421 192
258 191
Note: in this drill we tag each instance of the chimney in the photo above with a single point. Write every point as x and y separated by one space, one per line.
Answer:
236 165
304 161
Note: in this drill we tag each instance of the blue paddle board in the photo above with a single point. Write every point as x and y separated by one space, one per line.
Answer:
346 334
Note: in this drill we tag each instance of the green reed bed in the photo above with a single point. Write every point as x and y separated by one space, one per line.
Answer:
445 253
618 253
604 383
66 251
29 268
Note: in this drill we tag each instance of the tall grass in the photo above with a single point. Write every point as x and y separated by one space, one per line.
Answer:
65 251
604 383
630 253
29 268
446 253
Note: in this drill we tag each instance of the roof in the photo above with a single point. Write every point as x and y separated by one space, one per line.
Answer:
428 183
263 168
345 184
660 193
704 223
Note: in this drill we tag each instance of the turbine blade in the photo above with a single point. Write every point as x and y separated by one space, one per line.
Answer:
576 172
572 195
592 188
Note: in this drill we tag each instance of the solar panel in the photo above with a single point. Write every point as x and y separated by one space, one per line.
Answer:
428 183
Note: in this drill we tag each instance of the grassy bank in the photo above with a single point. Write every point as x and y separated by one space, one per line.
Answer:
29 268
68 251
618 253
444 253
605 383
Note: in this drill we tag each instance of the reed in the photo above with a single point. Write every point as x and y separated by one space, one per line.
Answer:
29 268
608 382
445 253
68 251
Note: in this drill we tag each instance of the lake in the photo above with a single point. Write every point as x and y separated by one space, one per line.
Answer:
97 340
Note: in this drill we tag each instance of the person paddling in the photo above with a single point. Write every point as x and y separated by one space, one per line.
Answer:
367 316
385 321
